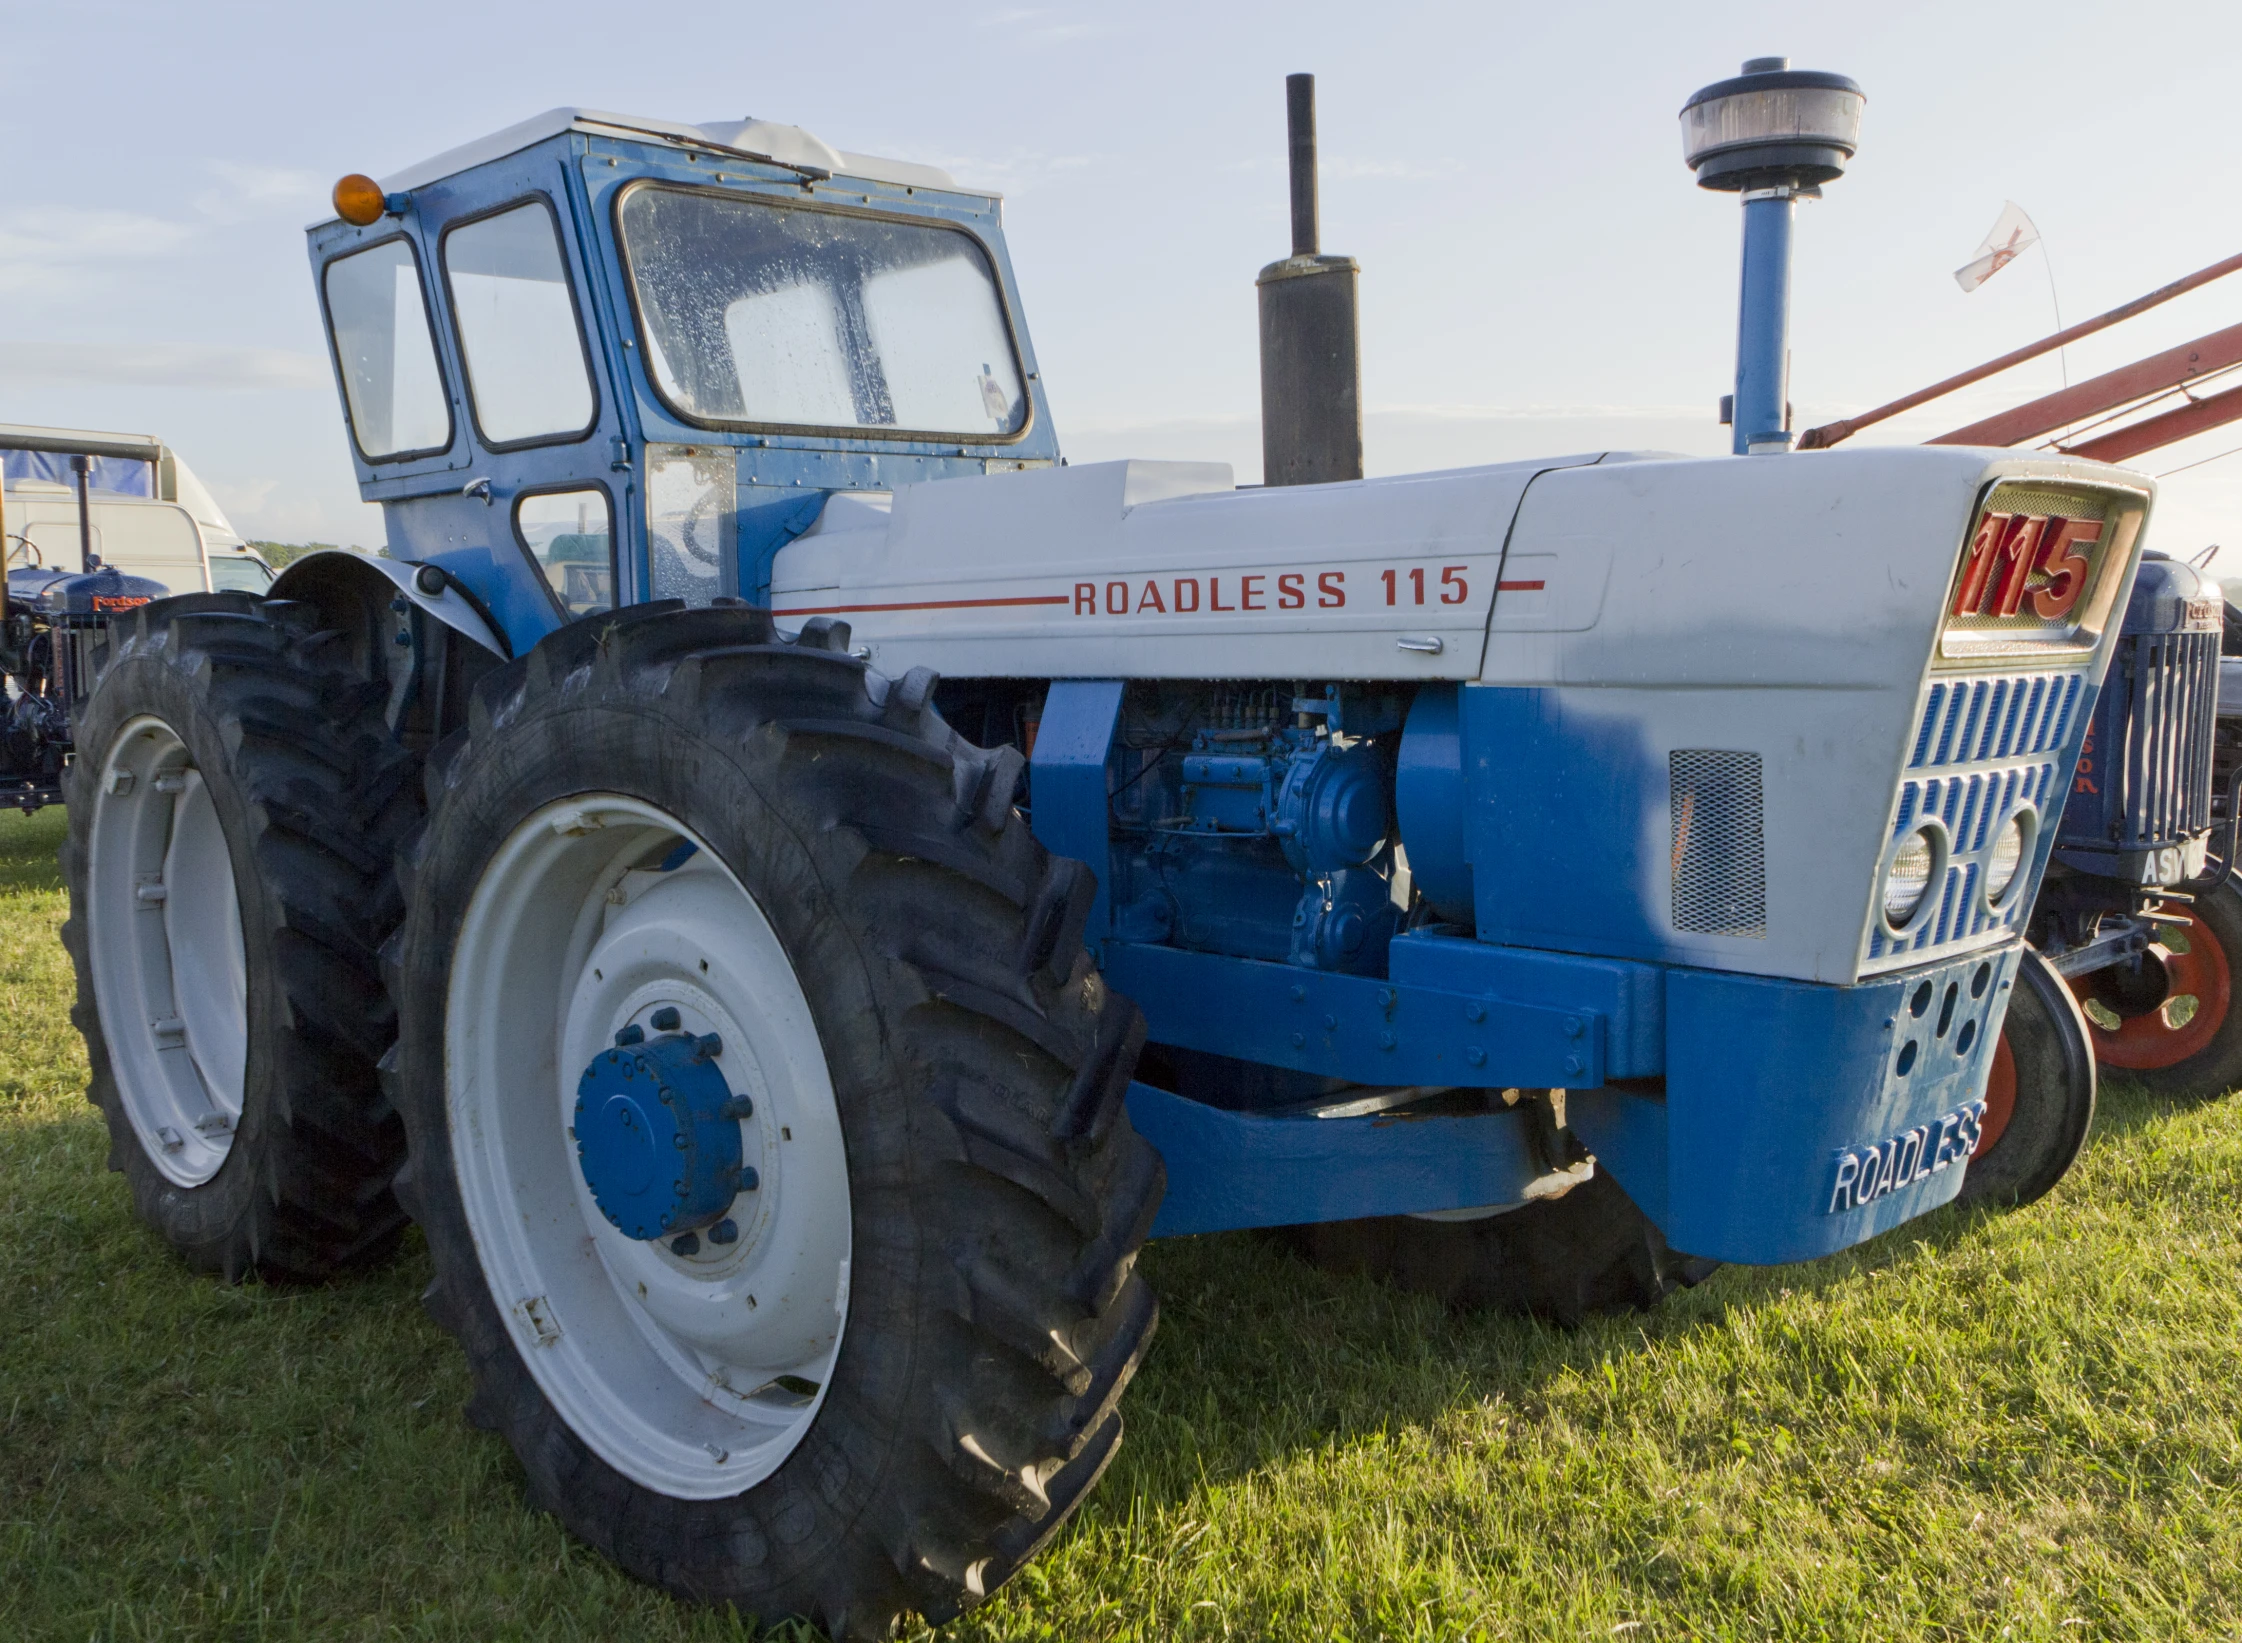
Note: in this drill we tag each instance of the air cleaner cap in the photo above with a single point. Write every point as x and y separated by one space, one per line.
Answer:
1772 126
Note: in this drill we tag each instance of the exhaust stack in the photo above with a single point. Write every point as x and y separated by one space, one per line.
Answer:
1311 369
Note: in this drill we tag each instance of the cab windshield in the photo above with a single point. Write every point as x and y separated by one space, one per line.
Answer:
775 315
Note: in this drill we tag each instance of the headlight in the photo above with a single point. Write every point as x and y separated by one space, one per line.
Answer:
2009 851
1908 876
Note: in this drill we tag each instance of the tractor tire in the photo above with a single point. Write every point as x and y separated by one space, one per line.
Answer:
891 1371
1591 1251
2039 1094
235 807
2203 1054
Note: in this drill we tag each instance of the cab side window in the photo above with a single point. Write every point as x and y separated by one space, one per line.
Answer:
570 539
387 353
527 377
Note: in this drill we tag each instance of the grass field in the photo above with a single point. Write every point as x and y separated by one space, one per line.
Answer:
2009 1426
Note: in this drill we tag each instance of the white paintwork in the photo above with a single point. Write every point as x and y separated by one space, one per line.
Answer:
987 575
666 1365
170 979
757 139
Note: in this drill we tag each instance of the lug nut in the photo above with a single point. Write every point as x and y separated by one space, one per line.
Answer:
708 1048
686 1244
726 1231
633 1034
740 1106
665 1019
749 1180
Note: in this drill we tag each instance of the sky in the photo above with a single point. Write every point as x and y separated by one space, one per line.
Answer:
1539 274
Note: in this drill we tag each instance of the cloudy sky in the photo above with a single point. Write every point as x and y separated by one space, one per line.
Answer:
1539 275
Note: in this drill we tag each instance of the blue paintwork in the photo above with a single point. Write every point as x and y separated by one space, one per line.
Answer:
1067 770
1720 1102
1430 802
1357 1028
1763 323
56 591
658 1134
1533 773
1768 1082
1630 999
783 479
1229 1169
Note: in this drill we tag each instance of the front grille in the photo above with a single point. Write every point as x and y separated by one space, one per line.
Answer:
1718 816
2145 775
1969 720
1983 747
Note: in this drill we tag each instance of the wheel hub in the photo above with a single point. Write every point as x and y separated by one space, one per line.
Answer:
2170 1008
658 1133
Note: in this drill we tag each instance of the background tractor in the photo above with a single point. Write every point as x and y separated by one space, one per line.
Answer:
91 525
790 883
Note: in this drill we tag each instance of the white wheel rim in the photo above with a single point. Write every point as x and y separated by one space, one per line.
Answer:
170 980
693 1376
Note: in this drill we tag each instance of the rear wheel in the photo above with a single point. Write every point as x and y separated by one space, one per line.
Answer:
767 1122
233 810
2173 1022
2039 1092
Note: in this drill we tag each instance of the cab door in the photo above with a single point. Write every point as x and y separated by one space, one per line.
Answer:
542 481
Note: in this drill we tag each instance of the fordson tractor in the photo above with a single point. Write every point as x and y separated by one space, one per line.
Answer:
790 883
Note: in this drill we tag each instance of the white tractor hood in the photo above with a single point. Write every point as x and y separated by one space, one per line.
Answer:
1151 569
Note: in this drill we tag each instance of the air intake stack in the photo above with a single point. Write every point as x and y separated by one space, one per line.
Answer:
1311 370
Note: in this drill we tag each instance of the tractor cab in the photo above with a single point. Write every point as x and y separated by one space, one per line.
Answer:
594 360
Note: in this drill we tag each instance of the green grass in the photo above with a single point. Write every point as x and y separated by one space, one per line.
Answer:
2003 1426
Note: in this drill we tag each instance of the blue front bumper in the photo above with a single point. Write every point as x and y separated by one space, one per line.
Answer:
1754 1120
1797 1119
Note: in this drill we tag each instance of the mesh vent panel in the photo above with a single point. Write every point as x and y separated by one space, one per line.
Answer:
1718 807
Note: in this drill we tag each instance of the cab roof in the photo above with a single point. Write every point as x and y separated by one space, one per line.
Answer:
784 145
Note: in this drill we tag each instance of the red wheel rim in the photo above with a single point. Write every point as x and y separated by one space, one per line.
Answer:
2000 1096
2147 1042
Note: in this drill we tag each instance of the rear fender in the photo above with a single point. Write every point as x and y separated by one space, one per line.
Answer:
424 647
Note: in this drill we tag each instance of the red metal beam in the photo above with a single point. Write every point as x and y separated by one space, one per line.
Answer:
1830 433
2198 416
2158 374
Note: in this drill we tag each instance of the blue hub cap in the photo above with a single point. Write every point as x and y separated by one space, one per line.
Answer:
658 1133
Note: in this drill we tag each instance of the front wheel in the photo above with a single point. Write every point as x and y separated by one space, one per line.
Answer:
767 1122
2039 1092
2173 1021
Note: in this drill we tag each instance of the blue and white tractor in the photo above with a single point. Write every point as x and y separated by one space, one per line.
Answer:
790 883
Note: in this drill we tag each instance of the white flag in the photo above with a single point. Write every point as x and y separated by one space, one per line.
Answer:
2012 236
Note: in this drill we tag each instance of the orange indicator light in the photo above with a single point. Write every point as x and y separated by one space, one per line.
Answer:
359 200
